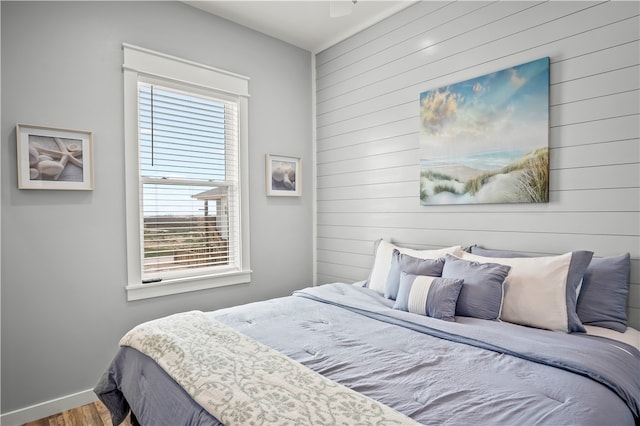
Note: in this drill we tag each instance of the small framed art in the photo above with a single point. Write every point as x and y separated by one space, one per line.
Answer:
50 158
283 176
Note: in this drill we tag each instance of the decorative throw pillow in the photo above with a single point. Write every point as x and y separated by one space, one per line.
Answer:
603 292
411 265
382 261
605 288
429 296
509 254
541 291
481 294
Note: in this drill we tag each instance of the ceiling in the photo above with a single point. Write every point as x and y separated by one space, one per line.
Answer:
304 23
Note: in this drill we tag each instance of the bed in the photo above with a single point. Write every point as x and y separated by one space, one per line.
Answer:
432 337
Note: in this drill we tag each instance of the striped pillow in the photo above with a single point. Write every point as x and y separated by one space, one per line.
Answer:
430 296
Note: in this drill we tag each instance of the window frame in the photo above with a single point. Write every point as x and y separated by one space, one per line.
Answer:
142 64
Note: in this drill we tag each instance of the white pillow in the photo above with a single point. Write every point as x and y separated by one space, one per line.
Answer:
535 290
382 261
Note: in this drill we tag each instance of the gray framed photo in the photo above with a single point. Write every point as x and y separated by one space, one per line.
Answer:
50 158
283 176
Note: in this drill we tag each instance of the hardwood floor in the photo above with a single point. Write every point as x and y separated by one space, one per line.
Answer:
94 414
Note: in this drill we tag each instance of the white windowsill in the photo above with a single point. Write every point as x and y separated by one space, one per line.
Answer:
184 285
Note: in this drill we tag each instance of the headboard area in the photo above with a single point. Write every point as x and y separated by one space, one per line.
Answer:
370 131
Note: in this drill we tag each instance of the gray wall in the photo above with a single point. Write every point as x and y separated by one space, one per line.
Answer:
368 91
64 305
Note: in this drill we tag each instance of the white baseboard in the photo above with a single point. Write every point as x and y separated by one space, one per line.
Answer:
48 408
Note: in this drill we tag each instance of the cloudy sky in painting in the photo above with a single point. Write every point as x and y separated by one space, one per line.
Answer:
505 110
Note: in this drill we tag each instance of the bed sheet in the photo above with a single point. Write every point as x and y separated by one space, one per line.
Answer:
631 336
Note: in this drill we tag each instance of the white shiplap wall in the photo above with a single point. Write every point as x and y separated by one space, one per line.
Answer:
367 96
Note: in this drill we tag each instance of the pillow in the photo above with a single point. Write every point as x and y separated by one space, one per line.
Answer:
495 253
509 254
541 291
411 265
603 292
481 294
430 296
605 288
382 261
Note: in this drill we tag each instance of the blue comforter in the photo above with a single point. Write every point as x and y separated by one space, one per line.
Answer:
467 372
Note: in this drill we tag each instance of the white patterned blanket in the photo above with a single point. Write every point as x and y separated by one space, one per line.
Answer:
241 381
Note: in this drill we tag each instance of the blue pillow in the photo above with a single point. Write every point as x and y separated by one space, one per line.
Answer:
429 296
481 294
411 265
605 288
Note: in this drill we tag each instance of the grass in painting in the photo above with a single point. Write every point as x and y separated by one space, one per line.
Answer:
532 184
444 188
436 176
472 186
441 183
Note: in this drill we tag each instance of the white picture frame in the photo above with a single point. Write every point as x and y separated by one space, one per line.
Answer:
51 158
283 176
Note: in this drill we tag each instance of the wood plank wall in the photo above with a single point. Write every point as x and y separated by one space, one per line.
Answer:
368 91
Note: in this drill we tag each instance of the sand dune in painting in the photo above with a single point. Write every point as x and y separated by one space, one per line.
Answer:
523 181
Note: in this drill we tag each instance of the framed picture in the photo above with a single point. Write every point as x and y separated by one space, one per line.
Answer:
50 158
283 176
486 140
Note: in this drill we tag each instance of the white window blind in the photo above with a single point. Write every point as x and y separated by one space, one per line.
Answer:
188 153
187 172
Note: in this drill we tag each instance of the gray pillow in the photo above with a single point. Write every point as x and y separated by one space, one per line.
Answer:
401 262
429 296
496 253
579 262
481 294
605 288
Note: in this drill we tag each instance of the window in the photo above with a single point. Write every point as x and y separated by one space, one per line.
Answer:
186 175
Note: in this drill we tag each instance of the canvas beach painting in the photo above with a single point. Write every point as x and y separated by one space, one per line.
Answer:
486 140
